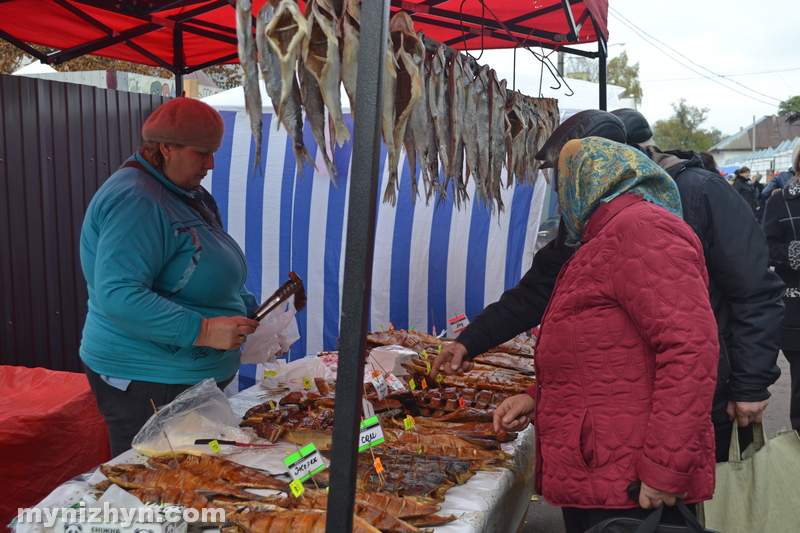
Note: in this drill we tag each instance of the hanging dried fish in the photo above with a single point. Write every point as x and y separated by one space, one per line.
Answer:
470 128
482 178
431 142
456 90
349 36
518 122
321 58
315 111
285 31
498 129
408 52
247 58
440 107
291 114
534 139
387 111
416 138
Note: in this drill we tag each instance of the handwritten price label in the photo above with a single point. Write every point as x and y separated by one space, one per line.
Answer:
394 383
381 388
408 422
303 464
214 445
371 434
458 323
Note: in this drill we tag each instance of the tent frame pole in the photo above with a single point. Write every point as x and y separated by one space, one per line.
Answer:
357 283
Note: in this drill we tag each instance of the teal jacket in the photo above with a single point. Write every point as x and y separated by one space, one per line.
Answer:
154 268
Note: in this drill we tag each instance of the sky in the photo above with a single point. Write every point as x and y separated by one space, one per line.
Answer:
741 56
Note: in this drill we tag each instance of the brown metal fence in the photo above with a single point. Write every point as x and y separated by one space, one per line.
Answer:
58 143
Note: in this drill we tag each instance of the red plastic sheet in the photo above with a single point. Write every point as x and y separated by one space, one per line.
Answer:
50 431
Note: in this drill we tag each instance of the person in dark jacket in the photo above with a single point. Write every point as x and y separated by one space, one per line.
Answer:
745 294
742 185
782 227
759 188
778 182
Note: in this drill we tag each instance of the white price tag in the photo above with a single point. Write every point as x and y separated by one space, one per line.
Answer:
458 323
380 386
371 434
367 408
301 465
394 383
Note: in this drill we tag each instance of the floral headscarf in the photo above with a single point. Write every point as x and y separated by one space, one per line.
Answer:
595 170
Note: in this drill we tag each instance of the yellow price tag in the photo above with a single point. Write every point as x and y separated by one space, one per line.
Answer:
439 378
424 383
214 445
425 354
297 488
307 383
408 422
272 405
268 373
428 367
411 384
439 349
378 465
327 489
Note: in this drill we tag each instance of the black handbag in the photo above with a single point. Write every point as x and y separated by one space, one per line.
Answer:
651 524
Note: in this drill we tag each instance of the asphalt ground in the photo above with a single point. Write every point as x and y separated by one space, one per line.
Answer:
545 518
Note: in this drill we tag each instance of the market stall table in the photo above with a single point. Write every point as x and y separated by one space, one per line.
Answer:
491 501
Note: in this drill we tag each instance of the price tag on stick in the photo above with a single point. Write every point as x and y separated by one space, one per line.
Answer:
381 387
303 464
371 434
394 383
458 323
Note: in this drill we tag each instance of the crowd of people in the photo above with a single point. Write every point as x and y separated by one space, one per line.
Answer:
660 315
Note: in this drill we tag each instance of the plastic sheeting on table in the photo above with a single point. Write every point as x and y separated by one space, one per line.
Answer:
50 431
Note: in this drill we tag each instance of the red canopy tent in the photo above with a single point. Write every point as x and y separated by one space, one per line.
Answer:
187 35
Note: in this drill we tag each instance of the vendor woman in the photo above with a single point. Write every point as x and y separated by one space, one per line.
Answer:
167 302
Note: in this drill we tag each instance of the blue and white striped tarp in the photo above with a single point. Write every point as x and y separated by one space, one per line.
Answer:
431 262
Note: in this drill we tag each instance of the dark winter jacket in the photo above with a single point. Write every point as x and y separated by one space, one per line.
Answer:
642 340
782 228
743 186
745 294
778 182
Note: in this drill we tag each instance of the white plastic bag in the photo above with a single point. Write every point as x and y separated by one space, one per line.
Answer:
201 412
273 337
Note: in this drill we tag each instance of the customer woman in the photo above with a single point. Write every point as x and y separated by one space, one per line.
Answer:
741 184
782 228
627 358
167 303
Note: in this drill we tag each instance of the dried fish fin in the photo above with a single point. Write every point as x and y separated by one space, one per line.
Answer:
285 31
247 58
321 58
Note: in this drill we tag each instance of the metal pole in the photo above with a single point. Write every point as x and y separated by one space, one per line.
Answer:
358 264
603 105
177 41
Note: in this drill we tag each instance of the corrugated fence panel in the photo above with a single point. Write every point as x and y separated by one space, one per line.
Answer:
58 143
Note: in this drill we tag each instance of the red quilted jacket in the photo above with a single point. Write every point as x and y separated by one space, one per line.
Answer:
626 363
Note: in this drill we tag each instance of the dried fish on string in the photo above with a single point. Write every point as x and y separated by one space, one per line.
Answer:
482 178
417 133
498 131
285 32
247 58
408 52
349 30
518 128
321 58
457 81
433 185
470 130
291 112
315 111
439 106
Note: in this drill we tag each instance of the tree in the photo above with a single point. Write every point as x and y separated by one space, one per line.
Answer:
618 72
682 131
789 107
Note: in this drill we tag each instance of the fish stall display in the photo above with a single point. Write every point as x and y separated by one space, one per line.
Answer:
402 482
453 118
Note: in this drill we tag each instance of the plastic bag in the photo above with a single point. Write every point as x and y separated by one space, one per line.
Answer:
292 374
201 412
273 337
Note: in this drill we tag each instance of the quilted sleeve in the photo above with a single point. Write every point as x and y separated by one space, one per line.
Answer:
659 278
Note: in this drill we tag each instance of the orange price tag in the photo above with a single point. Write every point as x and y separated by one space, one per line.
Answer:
461 402
378 465
391 326
424 383
376 374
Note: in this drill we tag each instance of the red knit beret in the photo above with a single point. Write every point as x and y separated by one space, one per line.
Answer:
185 121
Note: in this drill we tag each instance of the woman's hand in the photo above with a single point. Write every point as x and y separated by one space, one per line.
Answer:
650 498
225 332
451 360
515 413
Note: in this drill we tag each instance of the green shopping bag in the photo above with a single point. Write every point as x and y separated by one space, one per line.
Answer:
760 492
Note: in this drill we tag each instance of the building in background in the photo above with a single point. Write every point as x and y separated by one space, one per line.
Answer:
764 147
